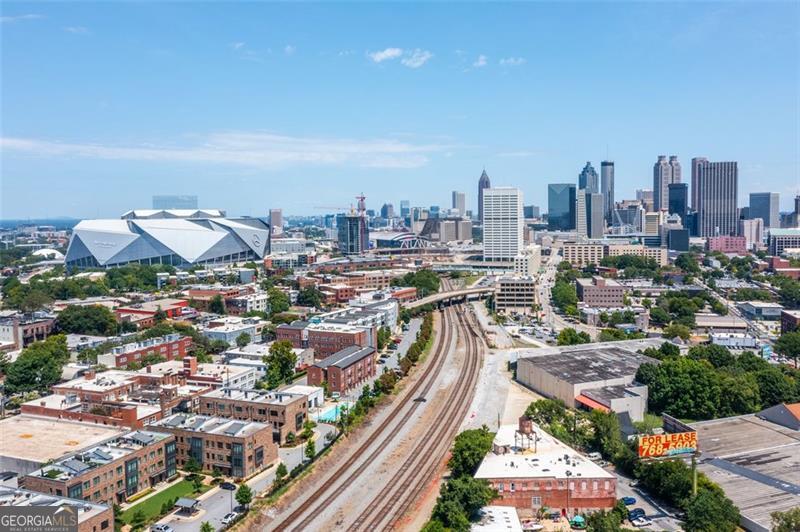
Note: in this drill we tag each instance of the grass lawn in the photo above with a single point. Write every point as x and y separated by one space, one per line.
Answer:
152 506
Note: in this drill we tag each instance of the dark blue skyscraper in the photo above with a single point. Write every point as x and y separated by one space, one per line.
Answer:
678 199
561 206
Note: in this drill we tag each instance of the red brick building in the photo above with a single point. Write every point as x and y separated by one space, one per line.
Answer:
530 469
238 449
325 338
143 314
344 370
169 347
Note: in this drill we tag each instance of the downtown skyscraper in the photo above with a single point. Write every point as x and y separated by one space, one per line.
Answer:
716 191
483 184
587 179
503 223
665 173
561 206
764 205
607 189
459 203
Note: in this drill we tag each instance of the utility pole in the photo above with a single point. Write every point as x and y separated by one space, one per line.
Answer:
694 475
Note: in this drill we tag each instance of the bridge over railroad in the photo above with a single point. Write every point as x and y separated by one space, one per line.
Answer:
454 296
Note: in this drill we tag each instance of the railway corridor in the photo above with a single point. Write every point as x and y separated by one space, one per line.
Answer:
384 471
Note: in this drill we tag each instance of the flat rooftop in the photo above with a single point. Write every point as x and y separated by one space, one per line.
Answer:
19 497
40 439
90 458
346 357
754 461
106 380
217 371
543 459
712 320
211 425
253 396
591 362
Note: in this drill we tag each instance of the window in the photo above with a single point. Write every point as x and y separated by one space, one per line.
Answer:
512 487
536 502
500 487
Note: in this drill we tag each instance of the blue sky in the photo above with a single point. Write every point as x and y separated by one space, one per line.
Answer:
302 106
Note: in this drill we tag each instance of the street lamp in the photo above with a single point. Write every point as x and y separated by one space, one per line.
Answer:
569 475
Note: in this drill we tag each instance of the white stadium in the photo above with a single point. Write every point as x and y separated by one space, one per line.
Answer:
177 238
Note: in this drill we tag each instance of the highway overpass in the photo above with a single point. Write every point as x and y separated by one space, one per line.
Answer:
449 297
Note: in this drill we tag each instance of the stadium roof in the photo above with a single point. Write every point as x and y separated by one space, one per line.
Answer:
174 241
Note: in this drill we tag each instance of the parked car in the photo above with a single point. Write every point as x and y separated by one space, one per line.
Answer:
636 513
628 501
161 528
633 483
230 486
641 522
229 518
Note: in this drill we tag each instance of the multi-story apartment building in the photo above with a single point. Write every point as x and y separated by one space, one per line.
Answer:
110 472
284 412
88 517
325 338
238 449
344 370
21 330
239 305
169 347
228 328
600 292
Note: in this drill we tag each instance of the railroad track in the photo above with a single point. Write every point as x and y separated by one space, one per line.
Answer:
423 462
315 501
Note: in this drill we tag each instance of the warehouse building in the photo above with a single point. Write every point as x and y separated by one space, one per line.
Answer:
592 376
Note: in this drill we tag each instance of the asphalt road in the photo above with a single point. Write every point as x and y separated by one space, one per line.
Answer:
657 514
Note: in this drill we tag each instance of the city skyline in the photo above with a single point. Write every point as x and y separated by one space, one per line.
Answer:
385 110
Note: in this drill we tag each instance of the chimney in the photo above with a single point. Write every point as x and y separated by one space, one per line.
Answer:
149 368
525 425
89 375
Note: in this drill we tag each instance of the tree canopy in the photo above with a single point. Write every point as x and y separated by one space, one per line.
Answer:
38 367
95 320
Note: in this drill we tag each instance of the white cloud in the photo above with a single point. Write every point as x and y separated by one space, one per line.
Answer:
16 18
383 55
237 45
252 149
289 49
417 58
78 30
480 62
512 61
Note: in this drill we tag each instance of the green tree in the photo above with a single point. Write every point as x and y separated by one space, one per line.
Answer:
717 355
278 301
94 320
310 297
676 330
311 449
570 336
280 474
160 315
192 466
774 387
738 395
216 305
602 521
682 387
206 527
789 345
38 367
469 449
711 511
244 495
281 361
788 521
243 340
425 281
465 496
564 294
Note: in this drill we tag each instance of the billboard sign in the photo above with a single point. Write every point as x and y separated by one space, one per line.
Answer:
662 445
